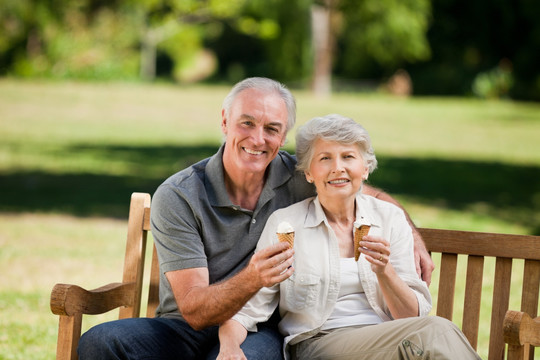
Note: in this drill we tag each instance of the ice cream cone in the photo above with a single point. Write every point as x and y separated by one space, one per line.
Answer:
286 237
358 235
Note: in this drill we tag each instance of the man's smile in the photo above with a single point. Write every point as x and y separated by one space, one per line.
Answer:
253 152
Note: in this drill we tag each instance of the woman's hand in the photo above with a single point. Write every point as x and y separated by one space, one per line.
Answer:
231 354
377 252
231 335
398 296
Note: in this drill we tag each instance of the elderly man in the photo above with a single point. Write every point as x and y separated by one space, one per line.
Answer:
206 222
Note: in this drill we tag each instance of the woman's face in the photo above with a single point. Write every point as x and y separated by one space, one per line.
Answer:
336 169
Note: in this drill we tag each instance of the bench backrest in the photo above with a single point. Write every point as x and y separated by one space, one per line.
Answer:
475 246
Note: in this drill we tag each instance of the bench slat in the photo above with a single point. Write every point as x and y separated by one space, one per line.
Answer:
529 297
146 221
501 295
531 285
153 292
473 297
447 286
485 244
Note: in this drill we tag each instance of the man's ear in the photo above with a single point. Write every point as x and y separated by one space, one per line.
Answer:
283 140
223 122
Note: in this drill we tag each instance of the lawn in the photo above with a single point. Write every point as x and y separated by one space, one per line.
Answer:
72 153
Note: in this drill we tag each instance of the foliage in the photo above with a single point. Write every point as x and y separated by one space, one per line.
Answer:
176 28
469 38
69 39
445 46
391 32
284 34
495 83
89 39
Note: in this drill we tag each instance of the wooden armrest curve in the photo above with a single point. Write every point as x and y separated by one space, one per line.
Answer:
67 299
519 328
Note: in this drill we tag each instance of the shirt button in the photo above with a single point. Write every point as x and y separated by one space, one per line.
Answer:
253 221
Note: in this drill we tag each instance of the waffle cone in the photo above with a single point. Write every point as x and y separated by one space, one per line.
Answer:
359 233
286 237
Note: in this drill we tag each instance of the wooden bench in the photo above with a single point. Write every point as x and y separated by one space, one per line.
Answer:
518 329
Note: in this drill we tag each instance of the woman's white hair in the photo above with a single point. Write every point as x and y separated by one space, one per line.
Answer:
336 128
264 84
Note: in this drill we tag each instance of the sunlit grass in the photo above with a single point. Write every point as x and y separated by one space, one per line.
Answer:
54 134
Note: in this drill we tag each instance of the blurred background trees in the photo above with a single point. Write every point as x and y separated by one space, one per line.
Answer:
487 48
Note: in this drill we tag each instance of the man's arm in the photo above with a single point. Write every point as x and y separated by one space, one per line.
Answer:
203 305
424 263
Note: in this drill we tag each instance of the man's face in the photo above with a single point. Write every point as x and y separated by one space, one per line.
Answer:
254 130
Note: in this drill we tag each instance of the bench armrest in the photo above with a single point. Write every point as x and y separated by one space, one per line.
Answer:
519 329
69 299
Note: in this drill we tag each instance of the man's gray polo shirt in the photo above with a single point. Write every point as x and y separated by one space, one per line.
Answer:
195 224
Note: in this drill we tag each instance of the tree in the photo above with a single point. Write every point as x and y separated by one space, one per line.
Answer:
391 32
174 26
323 30
63 38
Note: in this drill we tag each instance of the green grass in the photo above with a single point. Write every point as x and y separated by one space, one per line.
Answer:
72 153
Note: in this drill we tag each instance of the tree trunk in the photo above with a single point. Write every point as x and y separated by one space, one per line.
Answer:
148 56
323 43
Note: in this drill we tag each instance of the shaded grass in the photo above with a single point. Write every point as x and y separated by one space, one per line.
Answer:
504 192
71 154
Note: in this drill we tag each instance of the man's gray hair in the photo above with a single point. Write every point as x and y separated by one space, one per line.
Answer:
263 84
336 128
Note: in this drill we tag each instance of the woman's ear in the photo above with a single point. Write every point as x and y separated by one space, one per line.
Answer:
366 173
308 177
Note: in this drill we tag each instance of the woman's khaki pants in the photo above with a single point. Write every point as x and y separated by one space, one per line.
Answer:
428 337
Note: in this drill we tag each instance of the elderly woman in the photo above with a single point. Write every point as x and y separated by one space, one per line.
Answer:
334 306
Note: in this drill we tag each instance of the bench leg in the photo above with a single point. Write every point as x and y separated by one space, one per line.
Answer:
69 332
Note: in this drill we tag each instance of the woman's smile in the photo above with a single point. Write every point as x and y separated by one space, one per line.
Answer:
339 182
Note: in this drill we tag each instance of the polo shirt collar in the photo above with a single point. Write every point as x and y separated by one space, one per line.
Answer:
316 216
278 174
214 180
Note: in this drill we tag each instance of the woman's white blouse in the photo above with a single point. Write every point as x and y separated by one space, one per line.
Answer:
307 298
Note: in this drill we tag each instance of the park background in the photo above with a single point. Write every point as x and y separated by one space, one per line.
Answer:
99 99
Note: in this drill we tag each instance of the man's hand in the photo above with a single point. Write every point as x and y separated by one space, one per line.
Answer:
271 265
422 259
203 305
